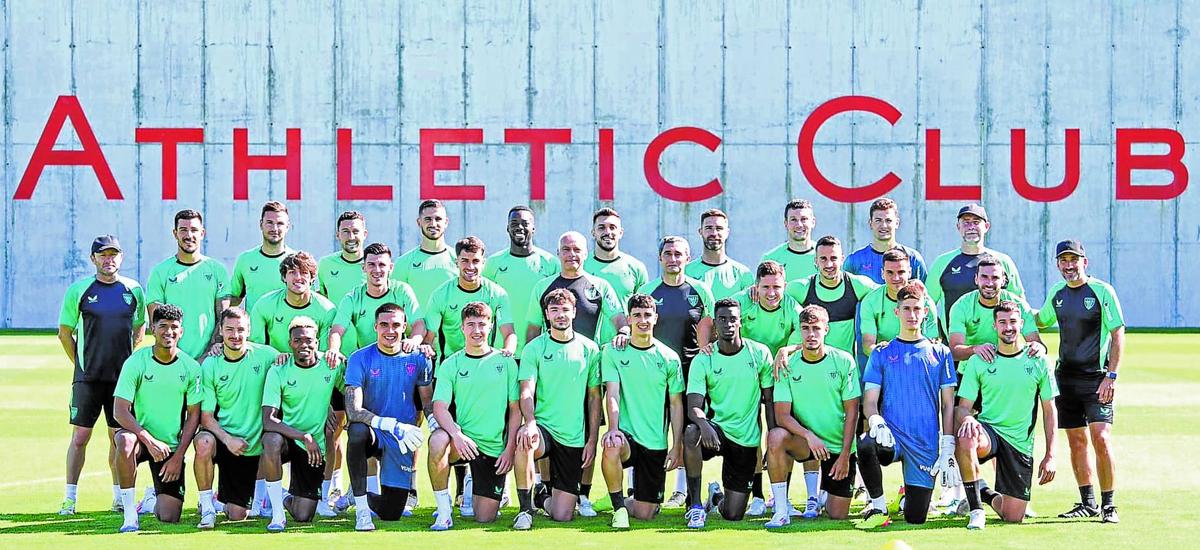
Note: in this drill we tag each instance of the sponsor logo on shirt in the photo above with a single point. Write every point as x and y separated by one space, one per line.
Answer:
503 269
148 377
1089 303
279 319
1058 303
173 279
93 299
291 383
224 378
416 265
334 272
375 373
548 357
751 318
624 363
797 377
453 307
253 268
955 270
464 373
991 370
718 371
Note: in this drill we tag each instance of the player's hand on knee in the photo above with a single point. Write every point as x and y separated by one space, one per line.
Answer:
614 439
158 450
708 437
970 428
172 468
410 437
315 452
464 446
504 462
880 432
817 447
236 445
589 454
841 467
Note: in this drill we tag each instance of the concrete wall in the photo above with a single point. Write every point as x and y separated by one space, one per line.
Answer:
751 72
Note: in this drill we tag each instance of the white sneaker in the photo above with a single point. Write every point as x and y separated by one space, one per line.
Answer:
811 509
146 506
1029 513
710 494
442 524
696 516
504 500
978 519
207 520
467 510
757 507
324 510
362 520
781 518
264 509
677 500
129 527
585 507
523 522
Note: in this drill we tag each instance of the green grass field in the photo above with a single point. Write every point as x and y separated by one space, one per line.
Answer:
1158 400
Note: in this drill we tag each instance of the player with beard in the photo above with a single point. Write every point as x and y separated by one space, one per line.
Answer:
723 275
953 274
519 267
622 271
430 264
798 254
254 270
199 285
971 332
342 271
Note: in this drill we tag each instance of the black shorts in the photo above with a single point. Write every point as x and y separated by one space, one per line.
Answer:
88 399
566 464
838 487
161 488
737 468
1078 403
337 400
649 473
485 482
389 505
235 476
1014 469
306 479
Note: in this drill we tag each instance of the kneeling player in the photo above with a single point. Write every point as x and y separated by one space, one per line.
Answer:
735 378
816 407
909 401
382 382
231 419
481 382
155 384
1011 386
295 408
560 380
639 378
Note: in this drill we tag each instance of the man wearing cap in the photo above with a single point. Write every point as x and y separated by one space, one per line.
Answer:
101 321
953 274
1091 341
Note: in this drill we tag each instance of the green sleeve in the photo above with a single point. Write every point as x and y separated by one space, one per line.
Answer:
1046 317
139 313
195 389
444 390
528 368
1030 324
156 292
746 280
969 388
412 308
797 289
69 315
851 389
697 376
433 311
237 284
933 283
1047 387
533 312
209 383
640 278
930 327
674 375
593 360
608 370
1111 317
862 285
503 311
868 317
610 305
324 324
706 295
345 313
272 396
128 380
766 377
514 388
489 269
258 322
958 313
1014 277
222 276
783 390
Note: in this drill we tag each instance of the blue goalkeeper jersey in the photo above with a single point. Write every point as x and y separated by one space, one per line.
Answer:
910 376
389 382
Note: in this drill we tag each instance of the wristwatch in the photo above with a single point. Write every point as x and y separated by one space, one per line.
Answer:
1111 375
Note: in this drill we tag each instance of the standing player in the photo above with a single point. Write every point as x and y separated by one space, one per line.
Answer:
639 378
1011 385
972 331
254 270
877 311
724 392
520 267
622 271
772 317
429 265
953 273
835 290
354 325
1091 342
231 420
816 409
197 284
685 309
442 317
157 403
481 383
868 260
909 401
101 321
342 271
724 276
382 384
560 403
798 254
295 409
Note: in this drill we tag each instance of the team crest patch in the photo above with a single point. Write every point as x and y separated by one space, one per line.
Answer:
129 298
1029 369
499 368
208 276
693 300
592 293
1089 303
833 375
256 369
328 378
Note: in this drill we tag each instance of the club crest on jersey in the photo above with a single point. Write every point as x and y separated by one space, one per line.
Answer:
182 378
1089 303
693 300
592 294
410 369
129 298
328 378
833 375
1029 369
208 276
499 368
256 368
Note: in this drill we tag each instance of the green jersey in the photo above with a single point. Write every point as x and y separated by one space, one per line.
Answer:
356 313
336 276
796 265
776 327
255 274
195 288
272 314
724 280
818 392
625 274
562 373
426 271
160 392
841 302
977 322
302 395
877 317
443 311
953 274
233 391
733 385
648 378
1009 388
517 275
481 389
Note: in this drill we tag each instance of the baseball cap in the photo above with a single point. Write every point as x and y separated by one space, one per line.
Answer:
1069 246
973 209
105 242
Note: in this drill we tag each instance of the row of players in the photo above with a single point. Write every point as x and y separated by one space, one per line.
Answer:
685 303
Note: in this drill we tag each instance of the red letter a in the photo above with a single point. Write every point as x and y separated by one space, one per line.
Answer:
67 107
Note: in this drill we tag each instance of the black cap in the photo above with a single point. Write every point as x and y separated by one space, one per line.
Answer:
1069 246
105 242
973 209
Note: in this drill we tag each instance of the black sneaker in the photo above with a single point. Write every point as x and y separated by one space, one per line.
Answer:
1082 510
1108 514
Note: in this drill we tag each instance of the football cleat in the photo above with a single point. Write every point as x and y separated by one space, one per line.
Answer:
1080 510
696 516
977 519
68 507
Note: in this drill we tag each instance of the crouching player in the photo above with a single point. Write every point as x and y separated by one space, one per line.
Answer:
1012 385
908 400
816 409
382 383
231 419
481 383
734 378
